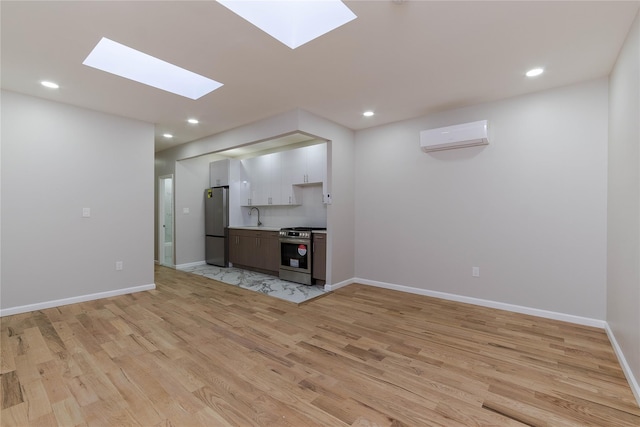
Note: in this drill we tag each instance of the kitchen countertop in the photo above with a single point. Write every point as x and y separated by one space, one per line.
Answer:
264 228
254 228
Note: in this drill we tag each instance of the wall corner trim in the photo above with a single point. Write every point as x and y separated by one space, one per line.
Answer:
329 288
633 383
74 300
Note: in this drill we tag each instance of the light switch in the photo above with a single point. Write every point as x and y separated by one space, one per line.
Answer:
86 212
185 210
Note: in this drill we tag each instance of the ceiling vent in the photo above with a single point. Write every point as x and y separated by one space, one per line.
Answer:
457 136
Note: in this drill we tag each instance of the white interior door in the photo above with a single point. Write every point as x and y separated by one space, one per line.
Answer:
165 220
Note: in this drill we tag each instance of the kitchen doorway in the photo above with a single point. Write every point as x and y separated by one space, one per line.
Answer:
165 221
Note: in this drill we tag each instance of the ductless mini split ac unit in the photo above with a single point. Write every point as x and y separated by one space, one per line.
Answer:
457 136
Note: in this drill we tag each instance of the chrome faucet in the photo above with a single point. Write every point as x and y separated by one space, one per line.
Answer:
250 210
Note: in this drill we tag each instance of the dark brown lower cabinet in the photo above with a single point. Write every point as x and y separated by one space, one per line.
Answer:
255 250
319 267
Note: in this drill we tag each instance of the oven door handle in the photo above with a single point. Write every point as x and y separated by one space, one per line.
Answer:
299 241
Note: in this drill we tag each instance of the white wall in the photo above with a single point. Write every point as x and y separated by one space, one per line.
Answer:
57 160
529 209
623 250
191 179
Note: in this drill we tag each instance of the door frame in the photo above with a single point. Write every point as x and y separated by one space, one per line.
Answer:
161 212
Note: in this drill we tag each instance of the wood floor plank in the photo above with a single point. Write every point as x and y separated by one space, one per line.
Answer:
197 352
141 405
51 373
15 416
10 390
7 361
35 395
68 413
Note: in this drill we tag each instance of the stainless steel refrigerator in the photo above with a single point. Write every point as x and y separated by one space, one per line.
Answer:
216 226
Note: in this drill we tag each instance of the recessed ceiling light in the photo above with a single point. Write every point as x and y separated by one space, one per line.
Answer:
50 85
123 61
167 135
193 121
534 72
293 23
368 113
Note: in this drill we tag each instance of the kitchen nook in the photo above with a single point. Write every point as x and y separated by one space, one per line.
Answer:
265 216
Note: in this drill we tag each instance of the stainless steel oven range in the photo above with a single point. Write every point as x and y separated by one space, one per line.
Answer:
296 255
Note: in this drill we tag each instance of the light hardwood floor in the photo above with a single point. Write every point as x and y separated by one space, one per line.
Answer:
196 352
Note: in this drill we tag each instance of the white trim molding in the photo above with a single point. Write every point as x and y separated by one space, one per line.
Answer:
74 300
329 288
633 383
190 264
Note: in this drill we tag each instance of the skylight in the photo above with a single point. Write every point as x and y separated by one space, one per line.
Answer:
292 22
121 60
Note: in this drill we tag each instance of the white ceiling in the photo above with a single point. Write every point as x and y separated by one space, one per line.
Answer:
402 59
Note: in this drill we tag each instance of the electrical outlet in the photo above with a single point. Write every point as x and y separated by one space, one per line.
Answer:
119 265
475 271
86 212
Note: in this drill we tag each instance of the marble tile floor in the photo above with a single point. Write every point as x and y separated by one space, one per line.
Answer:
258 282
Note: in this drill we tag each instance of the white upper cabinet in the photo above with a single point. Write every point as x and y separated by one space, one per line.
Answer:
245 185
308 164
257 168
275 179
290 168
316 156
296 161
263 185
219 173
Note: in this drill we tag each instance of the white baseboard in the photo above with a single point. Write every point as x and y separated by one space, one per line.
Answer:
633 383
73 300
189 265
329 288
586 321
